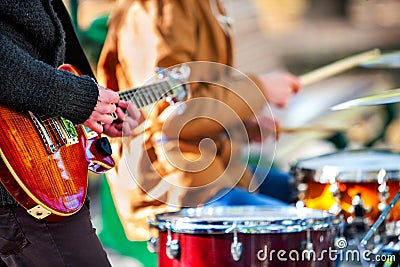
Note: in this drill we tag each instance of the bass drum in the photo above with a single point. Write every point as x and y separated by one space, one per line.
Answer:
353 183
244 236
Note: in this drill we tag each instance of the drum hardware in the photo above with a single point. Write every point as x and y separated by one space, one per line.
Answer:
152 244
357 208
380 220
308 245
243 236
355 183
357 223
383 190
173 248
340 228
301 193
334 188
236 247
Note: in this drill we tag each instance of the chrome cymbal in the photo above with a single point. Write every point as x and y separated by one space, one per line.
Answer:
390 60
386 97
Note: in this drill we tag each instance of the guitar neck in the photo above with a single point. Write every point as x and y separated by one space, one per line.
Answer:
148 94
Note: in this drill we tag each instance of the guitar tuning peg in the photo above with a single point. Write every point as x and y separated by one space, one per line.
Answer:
162 73
181 72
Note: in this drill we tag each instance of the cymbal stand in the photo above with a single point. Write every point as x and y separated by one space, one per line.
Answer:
379 221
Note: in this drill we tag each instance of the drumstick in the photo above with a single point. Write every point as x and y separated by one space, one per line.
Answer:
338 66
310 129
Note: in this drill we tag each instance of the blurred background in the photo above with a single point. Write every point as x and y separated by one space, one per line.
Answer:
299 36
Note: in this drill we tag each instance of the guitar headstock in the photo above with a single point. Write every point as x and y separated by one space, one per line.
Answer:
177 78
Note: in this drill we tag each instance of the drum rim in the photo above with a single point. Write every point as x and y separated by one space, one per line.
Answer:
187 225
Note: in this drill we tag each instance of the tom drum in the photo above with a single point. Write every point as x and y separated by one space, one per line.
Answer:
353 183
244 236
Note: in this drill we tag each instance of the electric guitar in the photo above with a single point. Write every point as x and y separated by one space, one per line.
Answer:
45 161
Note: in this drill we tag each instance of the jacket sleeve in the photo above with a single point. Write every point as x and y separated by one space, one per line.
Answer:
30 84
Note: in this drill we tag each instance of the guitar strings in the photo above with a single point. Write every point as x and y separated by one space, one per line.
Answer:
147 95
140 96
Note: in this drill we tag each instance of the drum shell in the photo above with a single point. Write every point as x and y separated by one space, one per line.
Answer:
214 250
335 179
319 197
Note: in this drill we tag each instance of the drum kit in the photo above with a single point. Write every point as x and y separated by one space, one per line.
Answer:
348 199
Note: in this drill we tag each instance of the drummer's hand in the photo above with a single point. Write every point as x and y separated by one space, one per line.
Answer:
128 118
261 127
279 87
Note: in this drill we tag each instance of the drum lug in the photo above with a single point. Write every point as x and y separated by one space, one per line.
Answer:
172 246
173 249
383 190
236 247
152 244
334 188
308 245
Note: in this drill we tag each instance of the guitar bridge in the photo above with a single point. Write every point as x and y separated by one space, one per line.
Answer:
51 148
55 132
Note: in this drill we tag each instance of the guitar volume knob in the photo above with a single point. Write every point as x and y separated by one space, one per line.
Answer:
103 146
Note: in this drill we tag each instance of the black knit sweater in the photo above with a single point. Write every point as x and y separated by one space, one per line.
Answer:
32 44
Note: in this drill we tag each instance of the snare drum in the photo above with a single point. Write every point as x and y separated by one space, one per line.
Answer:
344 181
244 236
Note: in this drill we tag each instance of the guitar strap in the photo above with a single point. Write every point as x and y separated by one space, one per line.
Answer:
74 51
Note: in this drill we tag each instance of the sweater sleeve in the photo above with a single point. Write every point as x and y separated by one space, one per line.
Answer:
30 84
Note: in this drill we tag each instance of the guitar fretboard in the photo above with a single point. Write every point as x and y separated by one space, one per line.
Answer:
148 94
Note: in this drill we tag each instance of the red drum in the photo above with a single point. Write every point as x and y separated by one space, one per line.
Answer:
344 181
245 236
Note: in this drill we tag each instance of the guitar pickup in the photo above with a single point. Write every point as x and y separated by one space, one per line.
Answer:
69 131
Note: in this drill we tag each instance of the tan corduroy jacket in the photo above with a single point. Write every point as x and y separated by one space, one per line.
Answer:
181 156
